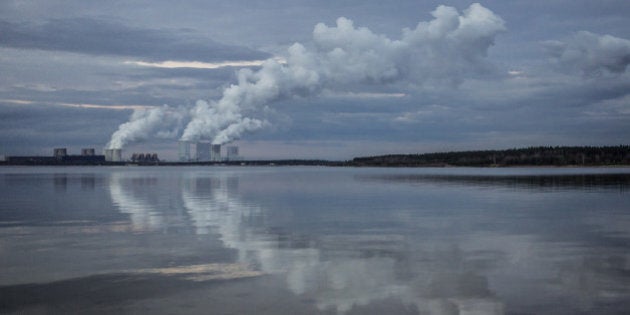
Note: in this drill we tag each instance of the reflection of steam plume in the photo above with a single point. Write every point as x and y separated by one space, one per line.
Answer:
143 216
447 49
337 283
212 206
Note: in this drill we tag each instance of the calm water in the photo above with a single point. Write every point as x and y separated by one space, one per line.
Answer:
310 240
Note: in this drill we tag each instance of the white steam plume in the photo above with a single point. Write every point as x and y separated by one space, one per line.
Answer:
444 51
160 122
447 49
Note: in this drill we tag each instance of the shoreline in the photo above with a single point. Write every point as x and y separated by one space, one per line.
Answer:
310 163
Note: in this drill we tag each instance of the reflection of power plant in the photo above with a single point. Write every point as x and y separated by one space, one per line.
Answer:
206 152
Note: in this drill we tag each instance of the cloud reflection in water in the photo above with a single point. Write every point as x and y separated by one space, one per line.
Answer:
460 245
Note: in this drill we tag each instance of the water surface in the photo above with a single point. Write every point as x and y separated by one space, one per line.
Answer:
314 240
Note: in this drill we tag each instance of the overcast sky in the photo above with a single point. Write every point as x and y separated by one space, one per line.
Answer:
343 78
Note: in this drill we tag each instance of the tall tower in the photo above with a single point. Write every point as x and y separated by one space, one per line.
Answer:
203 151
184 151
113 155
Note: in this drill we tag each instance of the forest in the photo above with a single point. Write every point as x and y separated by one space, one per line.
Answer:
531 156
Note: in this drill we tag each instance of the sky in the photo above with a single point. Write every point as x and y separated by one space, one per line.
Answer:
313 79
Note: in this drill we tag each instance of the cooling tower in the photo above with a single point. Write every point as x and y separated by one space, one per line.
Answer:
203 151
184 151
215 152
232 153
113 155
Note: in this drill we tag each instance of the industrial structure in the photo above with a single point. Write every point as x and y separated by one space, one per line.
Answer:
232 153
145 158
60 157
184 151
59 153
202 151
113 155
215 153
88 152
189 152
205 152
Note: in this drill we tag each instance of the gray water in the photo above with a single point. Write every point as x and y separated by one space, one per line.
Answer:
312 240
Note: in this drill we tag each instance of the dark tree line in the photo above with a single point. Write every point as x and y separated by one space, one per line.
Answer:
535 156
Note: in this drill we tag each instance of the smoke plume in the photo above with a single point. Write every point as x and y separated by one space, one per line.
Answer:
159 122
444 51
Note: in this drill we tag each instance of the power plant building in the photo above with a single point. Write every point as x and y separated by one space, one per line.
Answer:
203 151
206 152
215 152
232 153
113 155
184 151
88 152
59 153
145 158
60 157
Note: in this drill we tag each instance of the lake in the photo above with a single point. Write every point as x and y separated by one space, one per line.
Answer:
314 240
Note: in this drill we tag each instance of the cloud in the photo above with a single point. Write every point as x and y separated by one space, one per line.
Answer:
591 53
34 128
449 48
196 65
101 37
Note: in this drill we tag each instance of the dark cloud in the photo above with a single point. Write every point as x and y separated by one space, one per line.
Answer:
507 92
103 37
36 128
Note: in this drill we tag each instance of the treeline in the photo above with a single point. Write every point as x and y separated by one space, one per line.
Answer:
532 156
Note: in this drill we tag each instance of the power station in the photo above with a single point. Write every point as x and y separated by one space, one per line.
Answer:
60 157
113 155
205 152
189 152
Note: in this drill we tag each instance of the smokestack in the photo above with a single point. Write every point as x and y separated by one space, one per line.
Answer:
215 152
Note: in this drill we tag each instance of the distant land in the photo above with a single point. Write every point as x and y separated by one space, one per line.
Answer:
531 156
